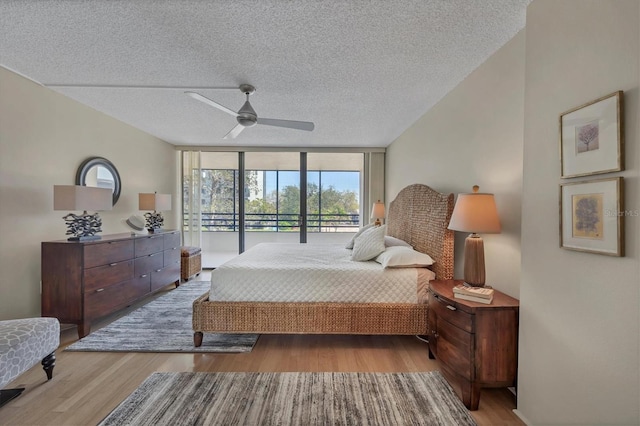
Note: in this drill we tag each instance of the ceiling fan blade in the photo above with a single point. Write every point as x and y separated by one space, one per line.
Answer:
214 104
300 125
234 132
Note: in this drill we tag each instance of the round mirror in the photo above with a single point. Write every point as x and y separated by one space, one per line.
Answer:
99 172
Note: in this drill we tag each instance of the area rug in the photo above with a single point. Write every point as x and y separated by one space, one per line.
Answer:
163 325
292 399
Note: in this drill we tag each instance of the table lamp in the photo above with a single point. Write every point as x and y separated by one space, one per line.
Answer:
475 213
377 212
82 227
157 203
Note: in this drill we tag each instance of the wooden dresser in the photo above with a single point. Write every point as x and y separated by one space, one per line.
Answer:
476 344
83 281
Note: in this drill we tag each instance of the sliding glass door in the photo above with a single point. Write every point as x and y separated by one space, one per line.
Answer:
271 197
235 200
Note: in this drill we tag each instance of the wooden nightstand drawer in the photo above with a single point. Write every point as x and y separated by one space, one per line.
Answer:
455 348
448 311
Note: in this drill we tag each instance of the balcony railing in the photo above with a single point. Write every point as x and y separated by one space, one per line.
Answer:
277 222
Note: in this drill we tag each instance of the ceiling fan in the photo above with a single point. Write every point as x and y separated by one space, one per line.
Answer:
247 116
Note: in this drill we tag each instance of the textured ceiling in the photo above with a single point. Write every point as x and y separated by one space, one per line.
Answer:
362 71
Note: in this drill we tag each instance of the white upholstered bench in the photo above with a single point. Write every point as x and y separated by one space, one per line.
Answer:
24 343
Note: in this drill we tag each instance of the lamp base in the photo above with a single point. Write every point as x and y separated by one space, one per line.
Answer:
474 261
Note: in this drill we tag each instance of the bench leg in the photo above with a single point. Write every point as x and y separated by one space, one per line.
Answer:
197 339
48 363
7 395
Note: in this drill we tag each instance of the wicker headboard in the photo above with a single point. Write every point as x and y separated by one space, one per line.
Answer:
420 216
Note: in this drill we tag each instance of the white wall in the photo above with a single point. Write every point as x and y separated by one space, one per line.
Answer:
579 312
474 136
44 137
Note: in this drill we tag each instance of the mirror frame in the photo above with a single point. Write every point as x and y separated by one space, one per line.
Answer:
83 170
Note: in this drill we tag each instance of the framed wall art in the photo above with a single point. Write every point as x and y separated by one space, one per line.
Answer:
592 216
592 137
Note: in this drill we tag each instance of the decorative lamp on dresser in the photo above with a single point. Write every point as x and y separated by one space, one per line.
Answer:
476 344
85 280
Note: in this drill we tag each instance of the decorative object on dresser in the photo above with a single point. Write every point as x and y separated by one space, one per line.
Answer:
83 281
377 212
157 203
476 344
475 213
592 137
592 216
84 227
99 172
137 225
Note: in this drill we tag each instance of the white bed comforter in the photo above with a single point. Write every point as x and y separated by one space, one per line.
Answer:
276 272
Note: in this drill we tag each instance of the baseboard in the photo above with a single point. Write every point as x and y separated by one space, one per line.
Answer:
522 417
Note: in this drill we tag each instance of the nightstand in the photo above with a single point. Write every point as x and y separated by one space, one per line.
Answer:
476 344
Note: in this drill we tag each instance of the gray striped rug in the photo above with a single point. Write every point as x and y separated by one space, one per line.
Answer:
162 325
292 399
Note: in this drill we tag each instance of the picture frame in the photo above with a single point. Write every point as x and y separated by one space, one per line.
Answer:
592 216
592 137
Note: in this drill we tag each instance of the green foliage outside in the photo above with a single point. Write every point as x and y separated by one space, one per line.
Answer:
220 194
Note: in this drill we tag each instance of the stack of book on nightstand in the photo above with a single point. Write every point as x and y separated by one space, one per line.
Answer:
474 294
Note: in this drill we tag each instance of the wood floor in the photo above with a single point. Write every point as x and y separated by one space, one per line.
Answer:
86 386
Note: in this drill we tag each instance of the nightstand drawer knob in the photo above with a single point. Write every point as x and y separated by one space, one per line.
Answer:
451 308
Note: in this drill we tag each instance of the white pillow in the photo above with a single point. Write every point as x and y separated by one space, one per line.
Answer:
403 257
369 244
390 241
360 231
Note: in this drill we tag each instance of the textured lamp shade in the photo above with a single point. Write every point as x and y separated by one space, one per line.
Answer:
155 202
77 197
377 212
475 213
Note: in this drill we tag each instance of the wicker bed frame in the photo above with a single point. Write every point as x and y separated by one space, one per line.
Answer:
418 215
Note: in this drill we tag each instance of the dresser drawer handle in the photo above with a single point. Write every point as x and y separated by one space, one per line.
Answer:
451 308
99 290
151 255
113 264
143 276
158 270
175 248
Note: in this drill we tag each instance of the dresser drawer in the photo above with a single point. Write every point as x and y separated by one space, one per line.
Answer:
171 256
455 349
448 312
108 275
147 245
107 252
171 240
146 264
101 302
165 276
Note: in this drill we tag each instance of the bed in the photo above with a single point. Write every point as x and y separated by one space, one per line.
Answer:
419 215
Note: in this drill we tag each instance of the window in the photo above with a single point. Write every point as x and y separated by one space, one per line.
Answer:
273 200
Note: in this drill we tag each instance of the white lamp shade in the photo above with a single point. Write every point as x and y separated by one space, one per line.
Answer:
154 201
78 197
377 211
476 213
